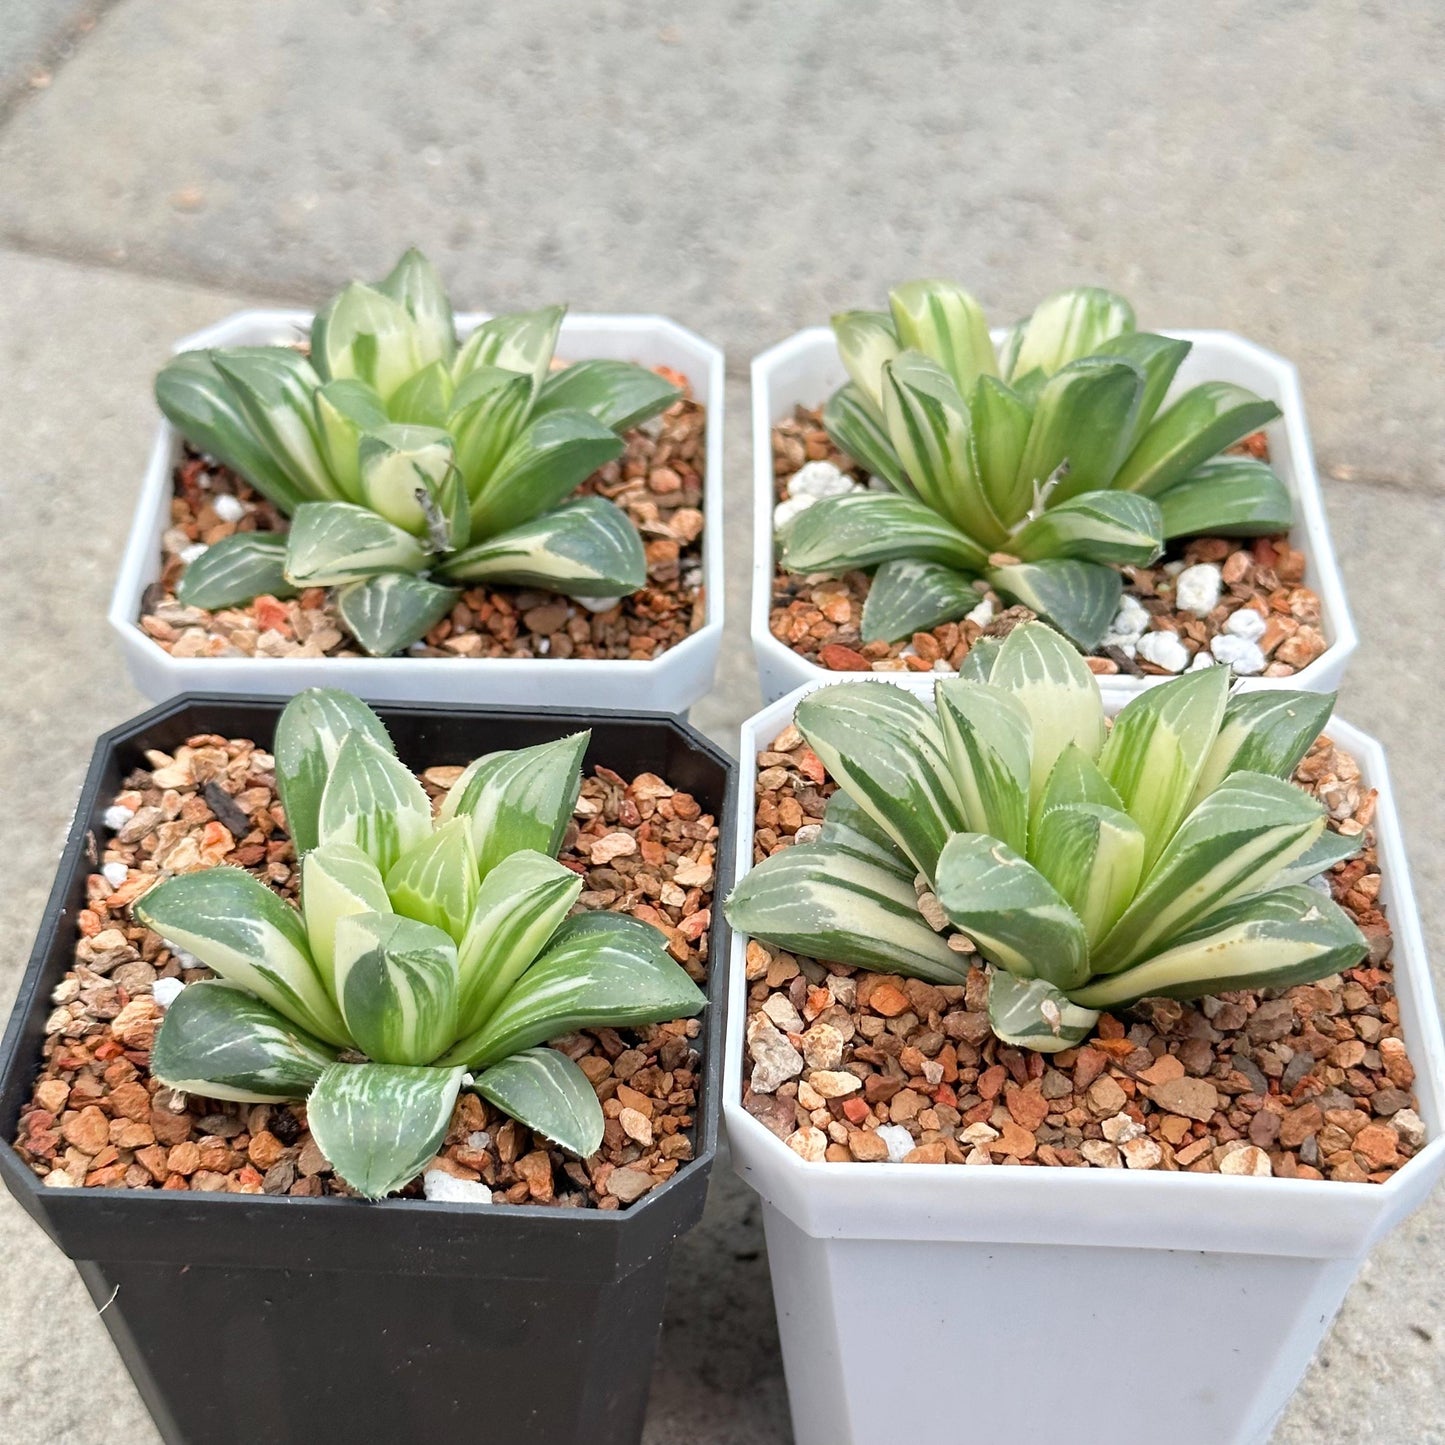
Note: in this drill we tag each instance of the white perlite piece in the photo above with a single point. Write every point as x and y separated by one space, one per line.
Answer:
1198 589
1239 653
165 991
117 816
1165 650
196 549
820 479
443 1188
1129 625
982 615
114 874
1202 660
1246 623
592 604
899 1141
229 508
786 512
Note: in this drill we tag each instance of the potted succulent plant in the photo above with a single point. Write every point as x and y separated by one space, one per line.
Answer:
1150 495
363 499
1147 965
205 1035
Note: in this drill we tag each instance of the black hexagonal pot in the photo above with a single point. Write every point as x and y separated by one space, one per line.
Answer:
252 1318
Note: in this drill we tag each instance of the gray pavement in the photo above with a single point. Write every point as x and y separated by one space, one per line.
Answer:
746 169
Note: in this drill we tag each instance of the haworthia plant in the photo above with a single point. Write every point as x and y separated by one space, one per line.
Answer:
410 466
1039 468
440 950
1089 867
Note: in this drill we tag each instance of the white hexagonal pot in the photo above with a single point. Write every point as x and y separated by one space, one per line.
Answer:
1158 1306
671 682
806 369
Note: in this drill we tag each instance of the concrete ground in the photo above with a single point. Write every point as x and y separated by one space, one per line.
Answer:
1263 167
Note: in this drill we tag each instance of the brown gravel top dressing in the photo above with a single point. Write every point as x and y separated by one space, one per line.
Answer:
820 618
96 1117
1311 1083
658 482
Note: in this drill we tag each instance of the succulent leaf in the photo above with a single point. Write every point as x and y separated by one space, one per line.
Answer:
1157 358
943 321
363 333
344 411
1094 527
847 827
1066 326
989 738
850 420
1094 857
618 394
1001 421
1264 732
393 610
373 801
1082 423
908 596
337 880
1030 1013
335 542
550 1094
521 341
866 342
1227 497
229 573
1079 598
409 476
435 880
414 282
863 529
424 399
488 412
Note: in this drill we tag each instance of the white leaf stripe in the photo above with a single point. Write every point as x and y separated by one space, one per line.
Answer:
908 596
847 826
334 542
989 738
374 801
1264 732
848 419
435 881
546 1091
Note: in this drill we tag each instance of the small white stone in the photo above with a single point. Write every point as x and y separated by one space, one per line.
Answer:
1202 660
1129 624
165 991
479 1139
117 816
229 508
196 549
819 479
1121 1128
1246 623
787 512
1142 1154
1239 653
1165 650
114 874
1410 1127
899 1141
982 614
1250 1161
443 1188
544 645
779 1008
1173 569
880 484
596 604
978 1134
1197 589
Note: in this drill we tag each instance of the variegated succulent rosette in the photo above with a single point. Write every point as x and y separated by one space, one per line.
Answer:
429 955
1037 468
1088 866
411 466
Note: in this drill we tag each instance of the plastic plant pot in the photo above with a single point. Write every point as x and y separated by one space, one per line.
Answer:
1001 1279
670 682
805 370
248 1317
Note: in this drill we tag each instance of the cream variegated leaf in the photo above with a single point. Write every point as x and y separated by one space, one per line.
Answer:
863 529
435 880
345 410
1066 326
366 335
848 827
619 394
989 739
1030 1013
489 409
414 283
944 322
394 610
520 341
866 342
1115 527
1094 857
229 573
337 880
331 543
409 476
1264 732
850 420
373 801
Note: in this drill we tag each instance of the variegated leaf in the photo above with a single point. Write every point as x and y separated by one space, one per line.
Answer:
977 664
232 571
396 982
344 410
584 548
601 970
989 739
1228 497
1001 421
1083 422
424 399
220 1042
390 612
520 799
237 926
847 826
435 880
381 1124
1097 527
829 902
374 802
619 394
907 596
863 529
521 341
1157 358
1157 749
866 341
414 282
1278 939
409 476
944 322
1079 598
1030 1013
884 746
850 421
1094 857
337 880
547 1092
1232 845
1328 851
519 906
488 412
1204 421
366 334
1011 911
309 735
334 542
1075 778
199 402
1066 326
1264 732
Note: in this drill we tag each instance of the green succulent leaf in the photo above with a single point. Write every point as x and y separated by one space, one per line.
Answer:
1264 732
1075 778
1095 527
619 394
198 401
220 1042
1079 598
989 738
435 881
601 970
521 903
1030 1013
309 735
1326 852
337 880
1204 421
828 903
584 548
1011 911
863 529
849 419
1001 421
344 410
977 664
396 982
1066 326
848 827
548 1093
866 342
409 476
520 799
381 1124
1094 857
1083 420
1277 939
1158 358
1228 497
424 399
944 322
414 282
390 612
488 413
885 747
363 333
237 926
334 542
373 801
520 341
908 596
232 571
